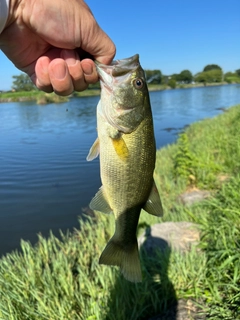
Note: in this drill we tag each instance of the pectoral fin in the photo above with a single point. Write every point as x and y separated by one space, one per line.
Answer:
153 205
94 151
100 203
120 148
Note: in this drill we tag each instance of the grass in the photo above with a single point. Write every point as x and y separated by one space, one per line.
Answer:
45 98
19 96
233 79
88 93
61 278
34 95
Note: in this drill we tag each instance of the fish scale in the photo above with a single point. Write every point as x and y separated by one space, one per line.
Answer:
119 175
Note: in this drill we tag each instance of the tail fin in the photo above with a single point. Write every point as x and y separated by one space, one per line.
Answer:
127 258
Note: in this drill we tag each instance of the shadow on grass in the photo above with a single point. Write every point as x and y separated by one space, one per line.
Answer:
155 297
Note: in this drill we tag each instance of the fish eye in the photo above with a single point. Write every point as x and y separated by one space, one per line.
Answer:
138 83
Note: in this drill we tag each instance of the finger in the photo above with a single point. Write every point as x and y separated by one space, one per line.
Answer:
96 42
89 70
75 69
41 76
100 47
106 51
60 77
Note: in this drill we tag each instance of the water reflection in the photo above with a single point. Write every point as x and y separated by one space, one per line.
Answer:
45 180
48 118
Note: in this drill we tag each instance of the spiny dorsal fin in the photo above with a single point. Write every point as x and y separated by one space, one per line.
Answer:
99 202
94 151
153 205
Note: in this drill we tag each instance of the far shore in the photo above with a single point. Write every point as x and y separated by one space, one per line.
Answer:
44 98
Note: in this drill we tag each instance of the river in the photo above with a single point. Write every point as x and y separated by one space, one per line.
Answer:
46 182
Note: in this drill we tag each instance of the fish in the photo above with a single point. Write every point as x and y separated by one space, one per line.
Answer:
127 151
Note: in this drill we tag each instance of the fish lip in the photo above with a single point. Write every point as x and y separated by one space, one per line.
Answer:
117 69
129 63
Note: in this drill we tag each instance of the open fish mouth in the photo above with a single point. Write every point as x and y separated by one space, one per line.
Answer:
117 85
117 71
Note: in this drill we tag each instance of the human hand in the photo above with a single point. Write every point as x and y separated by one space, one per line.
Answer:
50 40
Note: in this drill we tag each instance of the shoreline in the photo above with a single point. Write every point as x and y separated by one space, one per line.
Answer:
44 98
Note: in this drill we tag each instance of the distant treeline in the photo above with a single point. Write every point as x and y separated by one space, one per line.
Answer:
210 74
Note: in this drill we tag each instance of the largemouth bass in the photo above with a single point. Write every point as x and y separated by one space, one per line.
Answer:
126 146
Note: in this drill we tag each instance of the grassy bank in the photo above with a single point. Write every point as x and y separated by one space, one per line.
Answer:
38 96
43 98
61 279
18 96
158 87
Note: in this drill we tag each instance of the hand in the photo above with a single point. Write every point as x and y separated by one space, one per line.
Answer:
50 40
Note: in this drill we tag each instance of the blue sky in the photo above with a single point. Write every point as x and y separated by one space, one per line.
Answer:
170 35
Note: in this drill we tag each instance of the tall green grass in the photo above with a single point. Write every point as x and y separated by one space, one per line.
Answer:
220 242
61 278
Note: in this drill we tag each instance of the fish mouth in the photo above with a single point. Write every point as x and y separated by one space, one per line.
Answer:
117 71
114 78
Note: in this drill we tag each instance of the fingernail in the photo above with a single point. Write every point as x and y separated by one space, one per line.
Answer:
59 71
88 69
70 57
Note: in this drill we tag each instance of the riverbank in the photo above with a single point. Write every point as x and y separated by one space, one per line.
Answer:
63 280
43 98
185 86
37 96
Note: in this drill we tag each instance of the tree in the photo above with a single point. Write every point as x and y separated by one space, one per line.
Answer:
172 83
238 72
214 75
174 76
230 74
232 77
185 76
22 82
210 67
153 76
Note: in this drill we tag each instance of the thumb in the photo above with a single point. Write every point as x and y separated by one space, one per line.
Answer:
99 45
